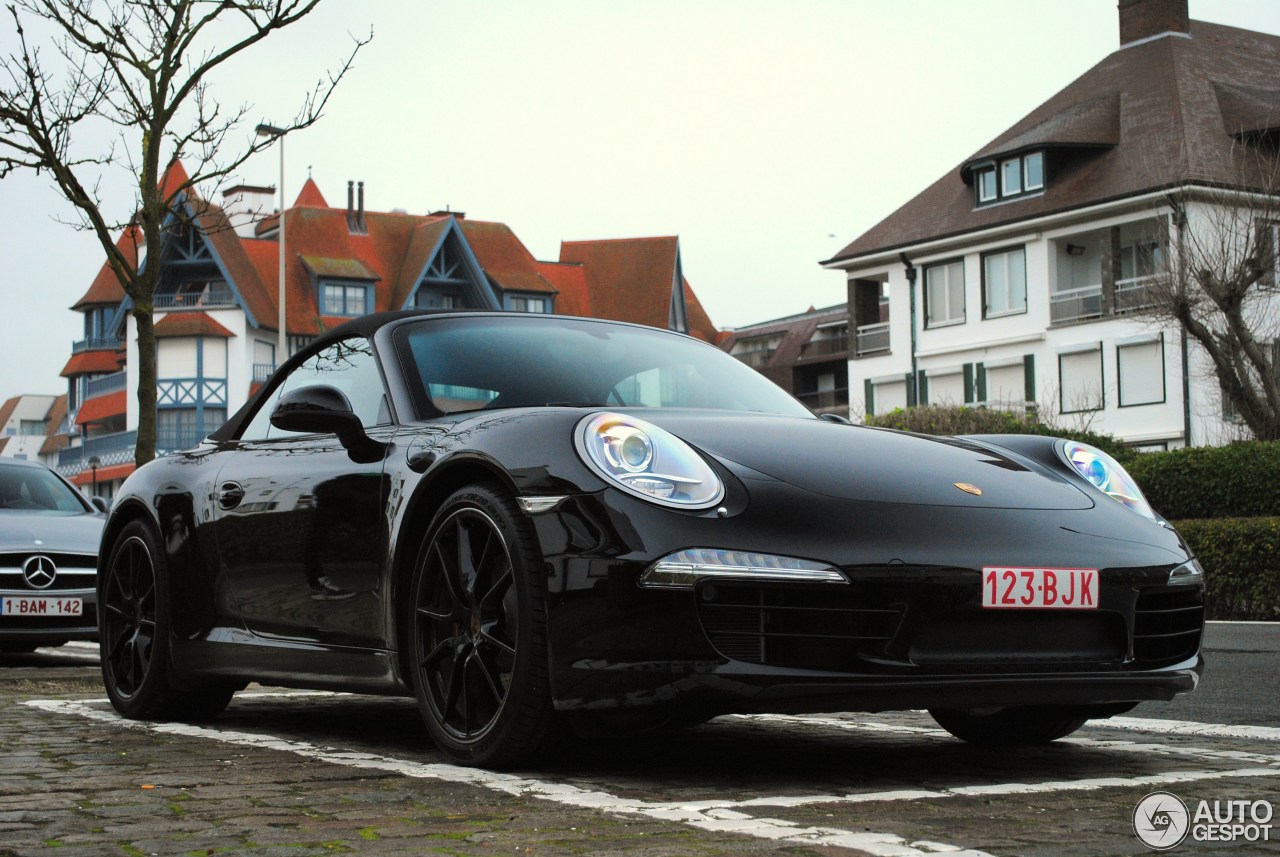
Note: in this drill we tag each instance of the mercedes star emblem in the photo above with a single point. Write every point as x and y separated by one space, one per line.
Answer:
39 571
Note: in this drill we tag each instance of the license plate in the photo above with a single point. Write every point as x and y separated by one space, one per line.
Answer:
1040 588
18 605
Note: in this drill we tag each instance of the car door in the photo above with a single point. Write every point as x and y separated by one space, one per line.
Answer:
300 526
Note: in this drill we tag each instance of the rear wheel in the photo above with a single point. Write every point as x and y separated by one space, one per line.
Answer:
133 624
1010 727
479 636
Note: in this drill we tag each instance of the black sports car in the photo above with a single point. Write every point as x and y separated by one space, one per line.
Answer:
533 522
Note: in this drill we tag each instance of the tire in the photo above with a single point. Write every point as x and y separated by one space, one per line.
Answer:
478 633
1010 727
133 626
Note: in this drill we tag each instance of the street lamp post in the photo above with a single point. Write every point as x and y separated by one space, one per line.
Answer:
94 463
282 339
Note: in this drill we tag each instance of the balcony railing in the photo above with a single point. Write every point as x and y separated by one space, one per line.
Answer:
757 357
106 384
1076 304
97 343
262 371
825 399
824 347
110 449
871 339
1136 293
176 440
211 297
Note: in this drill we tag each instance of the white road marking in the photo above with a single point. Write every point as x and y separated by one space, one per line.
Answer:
718 819
1187 727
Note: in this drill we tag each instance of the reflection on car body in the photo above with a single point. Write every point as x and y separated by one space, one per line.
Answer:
541 523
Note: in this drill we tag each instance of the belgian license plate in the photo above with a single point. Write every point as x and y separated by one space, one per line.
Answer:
1040 588
20 605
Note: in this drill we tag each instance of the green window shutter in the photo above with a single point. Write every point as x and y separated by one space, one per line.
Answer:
968 383
924 387
980 382
1029 376
911 391
869 393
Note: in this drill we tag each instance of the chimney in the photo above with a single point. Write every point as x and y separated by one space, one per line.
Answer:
1145 19
360 209
351 206
246 206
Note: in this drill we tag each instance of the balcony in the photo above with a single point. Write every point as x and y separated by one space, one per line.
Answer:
106 384
1076 304
825 400
169 441
756 357
212 296
871 339
110 448
1136 293
262 371
824 347
97 343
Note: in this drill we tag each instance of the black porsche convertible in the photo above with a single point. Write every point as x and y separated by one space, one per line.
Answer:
535 523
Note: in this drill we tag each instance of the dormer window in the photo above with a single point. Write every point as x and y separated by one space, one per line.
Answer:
344 299
1010 178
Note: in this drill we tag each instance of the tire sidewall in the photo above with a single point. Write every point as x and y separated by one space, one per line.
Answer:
527 683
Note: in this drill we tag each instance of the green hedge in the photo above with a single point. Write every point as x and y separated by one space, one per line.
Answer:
1237 481
1241 559
960 419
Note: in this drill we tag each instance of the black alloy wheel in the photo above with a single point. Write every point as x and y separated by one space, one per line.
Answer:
133 629
479 632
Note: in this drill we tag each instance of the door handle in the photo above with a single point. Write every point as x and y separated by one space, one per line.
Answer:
229 495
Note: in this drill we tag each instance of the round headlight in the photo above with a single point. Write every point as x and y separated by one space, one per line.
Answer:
647 462
1105 473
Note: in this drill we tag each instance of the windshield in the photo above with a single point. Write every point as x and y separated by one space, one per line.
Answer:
34 489
489 362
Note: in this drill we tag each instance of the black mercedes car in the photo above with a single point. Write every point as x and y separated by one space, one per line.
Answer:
533 523
49 534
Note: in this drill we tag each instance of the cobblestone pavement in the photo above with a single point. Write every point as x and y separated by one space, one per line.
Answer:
300 774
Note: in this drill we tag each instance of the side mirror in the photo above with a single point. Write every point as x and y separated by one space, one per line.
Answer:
835 418
322 409
100 504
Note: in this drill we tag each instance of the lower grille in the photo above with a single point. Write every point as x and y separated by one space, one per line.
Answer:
809 628
1167 626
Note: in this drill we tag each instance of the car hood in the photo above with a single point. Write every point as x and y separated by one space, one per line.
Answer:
20 531
875 465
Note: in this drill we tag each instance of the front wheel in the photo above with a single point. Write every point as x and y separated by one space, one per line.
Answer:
133 625
479 632
1017 726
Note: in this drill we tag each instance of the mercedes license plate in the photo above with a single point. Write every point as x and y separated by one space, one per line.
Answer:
21 605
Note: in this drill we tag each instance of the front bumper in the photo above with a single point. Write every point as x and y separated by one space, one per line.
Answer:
50 630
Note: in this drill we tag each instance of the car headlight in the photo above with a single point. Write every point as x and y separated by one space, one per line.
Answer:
648 462
1104 473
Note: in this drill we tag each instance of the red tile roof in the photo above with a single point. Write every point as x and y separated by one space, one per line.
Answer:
631 279
1150 116
505 259
7 409
176 324
570 280
310 196
92 363
53 421
106 289
97 409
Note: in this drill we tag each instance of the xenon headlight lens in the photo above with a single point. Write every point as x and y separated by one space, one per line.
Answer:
648 462
1104 473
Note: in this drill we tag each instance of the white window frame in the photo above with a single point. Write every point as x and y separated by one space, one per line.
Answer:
1009 309
952 315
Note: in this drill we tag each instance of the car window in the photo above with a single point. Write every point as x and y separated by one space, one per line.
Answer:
347 365
34 489
491 362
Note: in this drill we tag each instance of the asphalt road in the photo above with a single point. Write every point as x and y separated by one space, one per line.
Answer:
302 773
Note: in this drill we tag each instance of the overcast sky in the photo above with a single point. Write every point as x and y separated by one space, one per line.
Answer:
767 135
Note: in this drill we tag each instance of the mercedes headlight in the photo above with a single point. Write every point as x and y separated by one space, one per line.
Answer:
1104 473
647 462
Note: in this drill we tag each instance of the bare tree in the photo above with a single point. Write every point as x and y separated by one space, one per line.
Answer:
142 69
1221 285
